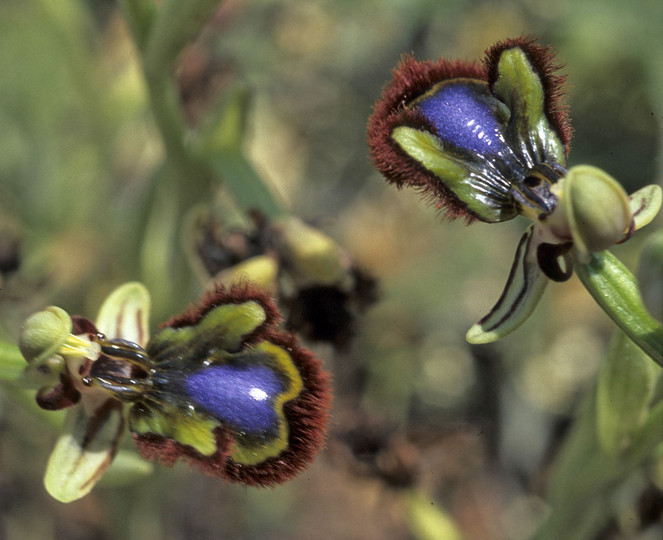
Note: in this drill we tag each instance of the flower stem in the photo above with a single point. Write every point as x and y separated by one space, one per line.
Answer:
160 35
12 362
616 290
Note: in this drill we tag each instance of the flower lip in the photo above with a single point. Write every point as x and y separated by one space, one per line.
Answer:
475 130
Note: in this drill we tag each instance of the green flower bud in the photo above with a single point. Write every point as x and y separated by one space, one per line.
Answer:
44 333
312 256
261 271
47 334
597 208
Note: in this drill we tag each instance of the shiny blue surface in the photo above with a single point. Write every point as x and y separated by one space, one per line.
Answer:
242 396
465 115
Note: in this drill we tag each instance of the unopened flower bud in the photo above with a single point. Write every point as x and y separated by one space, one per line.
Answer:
261 271
597 208
44 333
47 333
311 256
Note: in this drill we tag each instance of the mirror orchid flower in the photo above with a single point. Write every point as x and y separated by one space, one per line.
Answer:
218 386
489 142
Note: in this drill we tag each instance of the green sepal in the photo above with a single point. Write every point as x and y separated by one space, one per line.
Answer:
519 85
85 448
521 294
616 291
626 384
125 313
461 176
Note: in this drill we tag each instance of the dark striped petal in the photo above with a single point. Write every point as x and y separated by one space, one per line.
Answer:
85 448
521 294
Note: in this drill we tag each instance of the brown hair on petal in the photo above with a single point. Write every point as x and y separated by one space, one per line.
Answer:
307 416
412 78
219 295
166 451
554 89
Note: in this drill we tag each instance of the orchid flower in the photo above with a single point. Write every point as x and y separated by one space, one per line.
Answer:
489 142
217 386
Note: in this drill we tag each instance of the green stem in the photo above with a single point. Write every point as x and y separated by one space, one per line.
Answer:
161 35
12 362
249 190
584 477
616 290
139 15
177 24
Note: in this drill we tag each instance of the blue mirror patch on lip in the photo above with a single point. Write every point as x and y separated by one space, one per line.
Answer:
242 396
467 116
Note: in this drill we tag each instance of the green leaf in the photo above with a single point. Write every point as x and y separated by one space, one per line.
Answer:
12 362
175 24
521 294
625 386
650 274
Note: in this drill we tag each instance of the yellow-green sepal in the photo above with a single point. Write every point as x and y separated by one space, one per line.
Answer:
125 313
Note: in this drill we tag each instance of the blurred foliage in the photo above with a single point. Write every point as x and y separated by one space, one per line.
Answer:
471 428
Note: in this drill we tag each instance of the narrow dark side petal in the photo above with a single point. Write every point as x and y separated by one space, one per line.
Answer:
61 396
411 79
543 60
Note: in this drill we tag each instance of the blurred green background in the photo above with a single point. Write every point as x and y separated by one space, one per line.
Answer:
469 430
